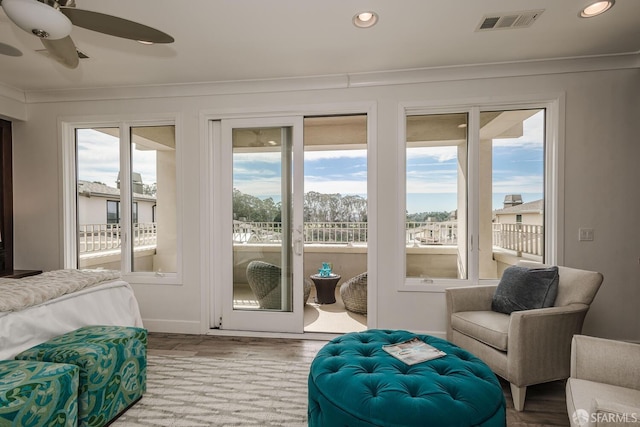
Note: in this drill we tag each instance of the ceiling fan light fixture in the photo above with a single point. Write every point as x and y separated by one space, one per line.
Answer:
597 8
365 19
38 18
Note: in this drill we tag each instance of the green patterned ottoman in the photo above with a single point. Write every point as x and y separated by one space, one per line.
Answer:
113 368
34 394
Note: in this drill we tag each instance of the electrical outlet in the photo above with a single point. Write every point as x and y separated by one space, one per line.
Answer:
585 234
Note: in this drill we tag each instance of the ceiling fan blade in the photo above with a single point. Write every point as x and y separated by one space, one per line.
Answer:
5 49
114 26
63 50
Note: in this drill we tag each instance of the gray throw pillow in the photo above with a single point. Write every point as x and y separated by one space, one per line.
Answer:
523 288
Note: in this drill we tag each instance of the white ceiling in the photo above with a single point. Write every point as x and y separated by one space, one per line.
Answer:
222 40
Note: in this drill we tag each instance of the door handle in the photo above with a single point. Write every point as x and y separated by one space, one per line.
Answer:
297 246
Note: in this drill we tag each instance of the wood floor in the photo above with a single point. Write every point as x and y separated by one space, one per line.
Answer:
544 406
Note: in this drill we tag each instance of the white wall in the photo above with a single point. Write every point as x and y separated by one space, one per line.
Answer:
600 179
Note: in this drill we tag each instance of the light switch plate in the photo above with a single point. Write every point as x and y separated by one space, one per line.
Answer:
585 234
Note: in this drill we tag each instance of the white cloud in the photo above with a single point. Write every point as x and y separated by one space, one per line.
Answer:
516 184
259 187
334 186
99 159
440 154
334 154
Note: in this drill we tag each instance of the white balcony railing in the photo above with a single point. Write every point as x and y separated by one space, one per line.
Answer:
521 238
105 237
518 237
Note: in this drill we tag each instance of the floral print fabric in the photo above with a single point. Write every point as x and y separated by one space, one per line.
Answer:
112 362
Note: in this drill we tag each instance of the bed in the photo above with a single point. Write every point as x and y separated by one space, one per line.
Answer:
37 308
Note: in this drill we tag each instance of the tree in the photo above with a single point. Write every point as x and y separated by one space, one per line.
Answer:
318 207
253 209
150 189
429 216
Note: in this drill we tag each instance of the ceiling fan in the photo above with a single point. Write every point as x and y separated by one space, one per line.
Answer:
52 21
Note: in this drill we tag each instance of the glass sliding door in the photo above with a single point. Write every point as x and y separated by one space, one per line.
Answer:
336 217
263 225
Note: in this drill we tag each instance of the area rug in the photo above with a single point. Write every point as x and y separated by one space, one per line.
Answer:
200 391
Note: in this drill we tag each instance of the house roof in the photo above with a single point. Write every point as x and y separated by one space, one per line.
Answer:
98 189
536 206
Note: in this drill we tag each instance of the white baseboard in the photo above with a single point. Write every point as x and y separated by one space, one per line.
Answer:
172 326
193 328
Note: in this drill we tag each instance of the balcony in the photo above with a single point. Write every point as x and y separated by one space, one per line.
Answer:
99 245
323 241
431 249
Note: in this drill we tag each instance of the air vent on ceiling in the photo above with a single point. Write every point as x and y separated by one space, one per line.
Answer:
501 21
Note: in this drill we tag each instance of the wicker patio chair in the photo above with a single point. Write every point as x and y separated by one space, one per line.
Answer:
354 294
264 280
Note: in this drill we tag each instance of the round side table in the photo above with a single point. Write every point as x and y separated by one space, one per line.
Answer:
325 288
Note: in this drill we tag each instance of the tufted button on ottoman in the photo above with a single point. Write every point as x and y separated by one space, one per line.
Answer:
354 383
113 368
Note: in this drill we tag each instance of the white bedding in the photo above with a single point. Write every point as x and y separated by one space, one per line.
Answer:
34 290
109 303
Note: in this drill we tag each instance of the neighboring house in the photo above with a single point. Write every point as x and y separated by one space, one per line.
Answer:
530 213
100 204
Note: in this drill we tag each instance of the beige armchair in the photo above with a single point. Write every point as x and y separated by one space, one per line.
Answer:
526 347
604 386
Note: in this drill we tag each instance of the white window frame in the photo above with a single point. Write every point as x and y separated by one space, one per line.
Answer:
68 127
553 181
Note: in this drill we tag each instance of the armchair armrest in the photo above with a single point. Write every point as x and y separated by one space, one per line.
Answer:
606 361
469 298
609 414
540 343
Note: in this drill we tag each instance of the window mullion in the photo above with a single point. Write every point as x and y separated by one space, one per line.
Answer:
473 194
125 199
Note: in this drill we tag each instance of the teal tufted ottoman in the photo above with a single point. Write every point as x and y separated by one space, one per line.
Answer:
354 383
34 394
113 368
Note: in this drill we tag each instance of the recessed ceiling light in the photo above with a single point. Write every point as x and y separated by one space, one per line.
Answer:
365 19
597 8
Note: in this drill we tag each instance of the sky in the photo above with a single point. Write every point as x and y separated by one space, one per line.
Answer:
431 171
99 158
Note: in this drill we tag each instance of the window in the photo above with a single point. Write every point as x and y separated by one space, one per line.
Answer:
474 192
436 200
137 232
113 212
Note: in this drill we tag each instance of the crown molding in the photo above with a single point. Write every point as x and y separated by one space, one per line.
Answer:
12 103
190 89
342 81
497 70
